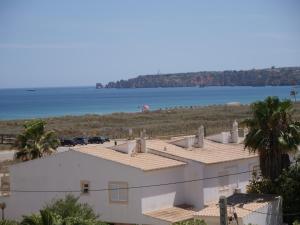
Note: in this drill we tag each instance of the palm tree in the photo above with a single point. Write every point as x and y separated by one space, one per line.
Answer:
70 206
273 134
73 212
45 218
35 142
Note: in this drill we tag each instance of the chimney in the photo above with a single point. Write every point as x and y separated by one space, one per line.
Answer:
141 143
138 148
199 142
235 132
143 133
130 134
189 141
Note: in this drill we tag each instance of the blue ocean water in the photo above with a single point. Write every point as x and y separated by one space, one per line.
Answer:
45 102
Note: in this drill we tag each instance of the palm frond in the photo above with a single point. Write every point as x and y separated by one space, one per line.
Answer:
31 220
35 142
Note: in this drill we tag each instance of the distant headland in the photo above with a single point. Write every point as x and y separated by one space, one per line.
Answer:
254 77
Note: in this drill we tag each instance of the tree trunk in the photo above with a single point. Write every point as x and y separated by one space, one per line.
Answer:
263 164
285 160
277 165
272 163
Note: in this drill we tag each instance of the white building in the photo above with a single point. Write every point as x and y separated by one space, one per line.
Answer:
136 182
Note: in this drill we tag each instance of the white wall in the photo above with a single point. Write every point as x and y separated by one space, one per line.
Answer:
199 193
269 214
163 196
193 191
166 196
63 171
212 189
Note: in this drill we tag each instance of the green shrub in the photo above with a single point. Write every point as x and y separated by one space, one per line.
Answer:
260 185
67 211
8 222
287 185
191 222
70 207
296 222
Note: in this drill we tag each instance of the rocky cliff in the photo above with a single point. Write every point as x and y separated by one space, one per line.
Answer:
254 77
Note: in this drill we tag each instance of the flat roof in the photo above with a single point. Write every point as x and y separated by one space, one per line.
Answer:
143 161
244 204
212 152
172 214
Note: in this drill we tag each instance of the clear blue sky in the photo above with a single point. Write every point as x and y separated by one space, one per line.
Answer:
74 43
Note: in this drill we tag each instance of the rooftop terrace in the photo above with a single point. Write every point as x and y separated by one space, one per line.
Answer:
211 152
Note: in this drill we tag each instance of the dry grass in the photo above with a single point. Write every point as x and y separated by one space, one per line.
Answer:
157 123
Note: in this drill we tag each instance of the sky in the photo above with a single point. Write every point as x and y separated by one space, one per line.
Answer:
78 43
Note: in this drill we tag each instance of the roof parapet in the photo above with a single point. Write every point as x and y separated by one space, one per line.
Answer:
129 147
186 142
196 141
227 137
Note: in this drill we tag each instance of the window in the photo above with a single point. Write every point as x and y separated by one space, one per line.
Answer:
118 192
85 187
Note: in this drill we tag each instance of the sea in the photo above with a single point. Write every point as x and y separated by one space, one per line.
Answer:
52 102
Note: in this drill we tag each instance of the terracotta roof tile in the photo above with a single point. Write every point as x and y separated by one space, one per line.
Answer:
143 161
172 215
212 152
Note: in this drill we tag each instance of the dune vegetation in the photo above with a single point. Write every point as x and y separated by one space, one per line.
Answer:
163 123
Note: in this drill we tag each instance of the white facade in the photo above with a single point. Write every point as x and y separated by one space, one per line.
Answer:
268 215
227 185
62 173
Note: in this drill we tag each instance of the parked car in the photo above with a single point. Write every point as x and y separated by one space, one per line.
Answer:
96 140
67 142
105 138
80 141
